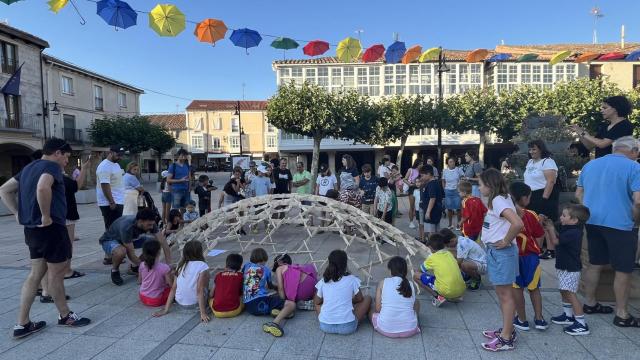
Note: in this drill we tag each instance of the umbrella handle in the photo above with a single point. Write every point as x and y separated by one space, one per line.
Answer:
82 20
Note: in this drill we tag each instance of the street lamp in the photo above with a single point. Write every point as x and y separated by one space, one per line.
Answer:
241 130
442 68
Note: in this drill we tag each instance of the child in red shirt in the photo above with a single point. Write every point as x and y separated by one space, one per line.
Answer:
473 212
529 262
226 295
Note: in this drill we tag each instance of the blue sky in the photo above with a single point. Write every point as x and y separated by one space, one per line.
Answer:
183 67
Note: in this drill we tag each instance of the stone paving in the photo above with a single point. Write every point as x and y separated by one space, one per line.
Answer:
122 327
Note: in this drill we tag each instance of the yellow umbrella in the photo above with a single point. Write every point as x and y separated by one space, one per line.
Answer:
166 20
57 5
348 49
430 54
559 56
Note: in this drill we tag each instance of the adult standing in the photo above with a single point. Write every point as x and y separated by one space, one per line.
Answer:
41 209
450 178
349 182
432 164
410 179
614 110
179 178
540 174
110 186
132 189
472 171
384 170
302 179
610 188
282 178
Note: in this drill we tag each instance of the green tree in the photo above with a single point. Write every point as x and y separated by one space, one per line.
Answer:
516 105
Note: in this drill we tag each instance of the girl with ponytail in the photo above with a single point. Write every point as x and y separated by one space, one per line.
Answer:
395 314
155 277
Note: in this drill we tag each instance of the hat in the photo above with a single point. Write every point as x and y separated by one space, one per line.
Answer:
252 163
117 149
262 169
164 174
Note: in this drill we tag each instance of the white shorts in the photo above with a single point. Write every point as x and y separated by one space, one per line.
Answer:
568 280
482 267
70 222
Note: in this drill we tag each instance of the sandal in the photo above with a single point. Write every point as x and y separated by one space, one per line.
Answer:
273 329
47 299
597 309
76 274
628 322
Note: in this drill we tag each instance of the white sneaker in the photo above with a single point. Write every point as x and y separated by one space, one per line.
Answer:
412 225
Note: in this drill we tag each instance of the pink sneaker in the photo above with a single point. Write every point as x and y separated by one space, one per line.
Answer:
499 344
492 334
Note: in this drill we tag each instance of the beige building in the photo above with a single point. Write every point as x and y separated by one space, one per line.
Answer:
215 129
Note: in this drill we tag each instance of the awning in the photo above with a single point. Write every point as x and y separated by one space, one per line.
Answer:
217 156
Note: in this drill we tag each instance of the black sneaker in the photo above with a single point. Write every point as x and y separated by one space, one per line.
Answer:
133 270
547 255
116 278
73 320
20 331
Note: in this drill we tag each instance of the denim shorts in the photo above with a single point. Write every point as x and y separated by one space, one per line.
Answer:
502 265
167 197
340 329
264 305
452 199
180 198
109 246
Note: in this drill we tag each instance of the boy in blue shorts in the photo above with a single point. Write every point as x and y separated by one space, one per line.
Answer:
529 262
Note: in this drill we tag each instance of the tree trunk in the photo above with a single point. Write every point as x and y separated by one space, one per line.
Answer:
403 142
483 140
315 158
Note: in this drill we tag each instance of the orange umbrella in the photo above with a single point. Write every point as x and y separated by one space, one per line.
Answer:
210 30
586 57
476 55
412 54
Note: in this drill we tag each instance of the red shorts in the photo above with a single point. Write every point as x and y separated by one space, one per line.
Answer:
155 302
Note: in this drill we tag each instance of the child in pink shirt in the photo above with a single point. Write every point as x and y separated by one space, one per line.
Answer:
155 278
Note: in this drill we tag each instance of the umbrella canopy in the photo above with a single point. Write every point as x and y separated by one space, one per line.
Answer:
245 38
612 56
527 57
284 43
412 54
633 56
430 54
210 30
315 48
586 57
117 13
348 49
373 53
499 57
559 56
395 52
55 5
476 55
9 2
166 20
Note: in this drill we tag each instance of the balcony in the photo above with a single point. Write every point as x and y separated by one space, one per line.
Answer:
31 123
72 135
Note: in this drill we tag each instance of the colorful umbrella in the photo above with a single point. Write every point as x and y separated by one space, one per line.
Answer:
476 55
527 57
348 49
210 30
633 56
315 48
9 2
430 54
117 13
284 43
559 56
395 52
373 53
166 20
56 5
412 54
499 57
586 57
245 38
612 56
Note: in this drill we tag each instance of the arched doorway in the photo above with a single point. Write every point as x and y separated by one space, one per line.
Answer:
13 157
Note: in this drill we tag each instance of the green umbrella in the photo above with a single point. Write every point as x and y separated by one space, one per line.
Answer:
527 57
9 2
284 44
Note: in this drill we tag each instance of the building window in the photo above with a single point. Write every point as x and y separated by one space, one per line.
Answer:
234 142
271 128
235 124
323 77
66 85
98 100
8 58
272 141
348 80
526 74
12 104
69 127
217 123
122 100
196 142
547 74
310 76
571 72
215 144
336 77
636 75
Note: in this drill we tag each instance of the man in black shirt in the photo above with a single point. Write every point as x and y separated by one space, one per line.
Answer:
282 178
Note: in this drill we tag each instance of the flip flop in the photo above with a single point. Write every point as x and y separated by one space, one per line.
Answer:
628 322
75 274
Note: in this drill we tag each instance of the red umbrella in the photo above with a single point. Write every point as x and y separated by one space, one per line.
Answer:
316 47
612 56
374 53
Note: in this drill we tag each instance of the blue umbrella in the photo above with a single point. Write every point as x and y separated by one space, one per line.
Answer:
117 13
633 56
245 38
395 52
499 57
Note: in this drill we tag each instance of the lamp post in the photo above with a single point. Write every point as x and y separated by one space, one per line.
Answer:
240 129
442 68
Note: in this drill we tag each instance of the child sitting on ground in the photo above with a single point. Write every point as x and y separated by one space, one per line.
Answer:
339 302
473 211
226 294
383 201
190 215
192 280
155 277
568 266
472 259
395 313
528 260
439 274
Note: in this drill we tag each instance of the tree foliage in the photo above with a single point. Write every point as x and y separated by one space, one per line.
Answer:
136 134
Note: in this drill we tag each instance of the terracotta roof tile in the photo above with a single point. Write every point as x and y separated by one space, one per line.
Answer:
228 105
545 52
169 121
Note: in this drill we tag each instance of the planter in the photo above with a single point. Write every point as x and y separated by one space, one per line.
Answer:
86 196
